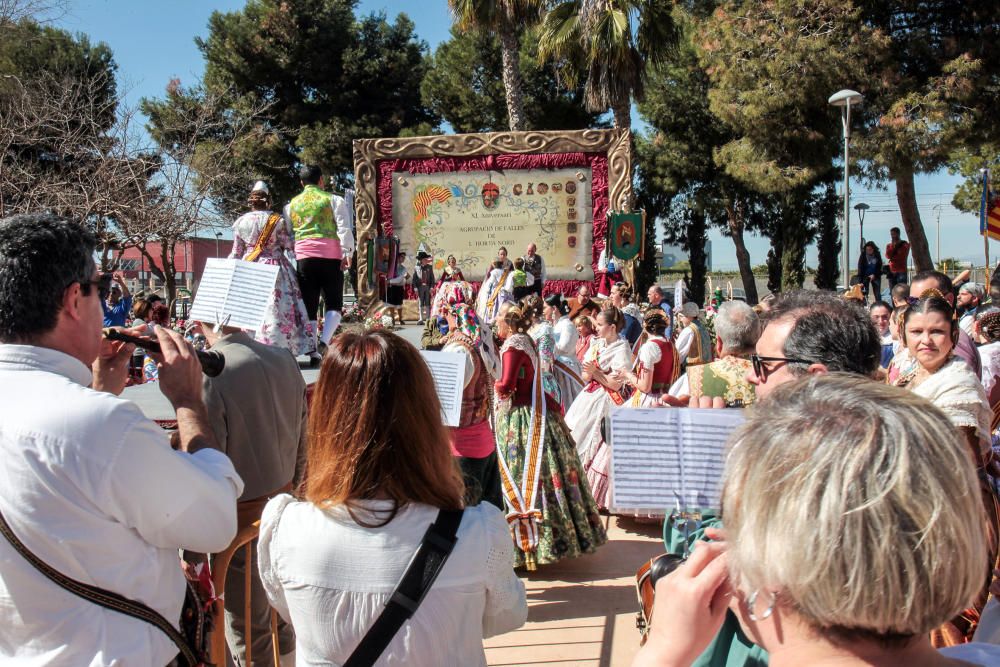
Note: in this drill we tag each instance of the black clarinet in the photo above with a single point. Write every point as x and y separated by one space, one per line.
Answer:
212 362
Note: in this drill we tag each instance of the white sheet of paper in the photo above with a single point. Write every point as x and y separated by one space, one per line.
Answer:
448 370
662 458
241 290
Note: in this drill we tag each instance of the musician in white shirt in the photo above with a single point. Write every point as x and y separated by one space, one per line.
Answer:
88 484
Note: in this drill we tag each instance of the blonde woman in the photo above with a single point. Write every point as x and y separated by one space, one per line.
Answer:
832 555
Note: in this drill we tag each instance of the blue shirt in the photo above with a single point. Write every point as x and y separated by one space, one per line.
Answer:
116 315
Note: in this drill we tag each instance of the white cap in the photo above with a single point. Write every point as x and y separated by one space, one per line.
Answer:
690 310
260 186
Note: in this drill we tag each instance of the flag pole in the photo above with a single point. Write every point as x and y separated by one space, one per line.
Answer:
984 208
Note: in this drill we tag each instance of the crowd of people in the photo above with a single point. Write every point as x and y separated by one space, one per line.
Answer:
859 520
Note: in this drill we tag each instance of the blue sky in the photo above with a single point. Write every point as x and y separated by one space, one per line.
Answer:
153 42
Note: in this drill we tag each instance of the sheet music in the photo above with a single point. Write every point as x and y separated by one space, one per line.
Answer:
448 370
242 290
662 458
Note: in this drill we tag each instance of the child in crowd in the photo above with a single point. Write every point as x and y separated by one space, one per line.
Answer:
521 280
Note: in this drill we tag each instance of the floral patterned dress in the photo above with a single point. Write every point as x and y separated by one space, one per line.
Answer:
570 524
286 323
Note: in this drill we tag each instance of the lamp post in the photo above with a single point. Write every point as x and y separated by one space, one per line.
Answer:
861 207
844 99
218 236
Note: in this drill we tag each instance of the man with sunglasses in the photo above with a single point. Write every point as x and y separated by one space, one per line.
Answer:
88 484
117 303
812 332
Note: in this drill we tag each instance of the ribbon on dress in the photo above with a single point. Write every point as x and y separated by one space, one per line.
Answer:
496 290
522 516
573 375
265 236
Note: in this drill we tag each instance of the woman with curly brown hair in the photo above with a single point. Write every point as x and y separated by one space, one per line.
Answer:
551 510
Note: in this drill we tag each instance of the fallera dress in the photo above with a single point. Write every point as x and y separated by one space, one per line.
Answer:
286 323
558 518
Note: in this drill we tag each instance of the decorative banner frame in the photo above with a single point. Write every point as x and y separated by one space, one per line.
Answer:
607 153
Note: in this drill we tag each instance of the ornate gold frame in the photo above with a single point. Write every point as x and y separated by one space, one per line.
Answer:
617 144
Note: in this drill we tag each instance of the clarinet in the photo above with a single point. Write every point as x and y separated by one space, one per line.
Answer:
212 362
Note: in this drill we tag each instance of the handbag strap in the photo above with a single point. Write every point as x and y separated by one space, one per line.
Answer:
424 567
99 596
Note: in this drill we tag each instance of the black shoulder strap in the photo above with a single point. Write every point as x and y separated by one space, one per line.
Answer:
424 567
99 596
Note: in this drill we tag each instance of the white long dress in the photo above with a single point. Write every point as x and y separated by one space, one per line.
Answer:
567 368
588 411
485 312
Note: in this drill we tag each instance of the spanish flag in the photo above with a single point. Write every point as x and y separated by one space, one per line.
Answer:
989 210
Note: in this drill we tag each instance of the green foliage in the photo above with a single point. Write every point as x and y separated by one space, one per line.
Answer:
508 20
967 161
325 77
934 97
614 41
58 110
772 66
828 244
461 86
28 49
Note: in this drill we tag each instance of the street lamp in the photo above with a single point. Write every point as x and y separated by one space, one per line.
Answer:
218 235
845 99
861 207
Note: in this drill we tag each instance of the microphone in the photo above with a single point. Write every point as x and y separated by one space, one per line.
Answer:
212 362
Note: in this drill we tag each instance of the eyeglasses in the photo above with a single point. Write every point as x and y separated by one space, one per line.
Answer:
761 371
103 285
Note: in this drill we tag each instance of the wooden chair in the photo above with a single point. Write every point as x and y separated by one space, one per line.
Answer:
220 567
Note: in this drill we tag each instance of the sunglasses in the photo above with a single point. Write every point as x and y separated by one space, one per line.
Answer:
761 371
103 285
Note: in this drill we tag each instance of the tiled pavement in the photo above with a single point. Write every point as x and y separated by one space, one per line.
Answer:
581 612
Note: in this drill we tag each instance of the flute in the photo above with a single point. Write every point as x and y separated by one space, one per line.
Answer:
212 362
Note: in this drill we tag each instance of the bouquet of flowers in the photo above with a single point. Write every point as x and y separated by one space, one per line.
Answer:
379 323
354 314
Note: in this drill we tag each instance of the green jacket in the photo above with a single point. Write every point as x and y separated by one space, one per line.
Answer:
312 215
731 647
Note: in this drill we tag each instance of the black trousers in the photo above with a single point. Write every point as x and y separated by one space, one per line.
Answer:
536 288
320 275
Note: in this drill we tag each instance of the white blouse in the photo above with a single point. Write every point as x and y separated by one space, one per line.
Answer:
566 336
330 578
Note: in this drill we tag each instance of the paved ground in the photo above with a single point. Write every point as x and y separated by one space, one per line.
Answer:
582 611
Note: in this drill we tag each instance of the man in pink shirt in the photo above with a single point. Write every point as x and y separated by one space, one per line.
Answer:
324 243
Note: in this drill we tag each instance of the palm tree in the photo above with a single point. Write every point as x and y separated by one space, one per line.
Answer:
508 19
614 40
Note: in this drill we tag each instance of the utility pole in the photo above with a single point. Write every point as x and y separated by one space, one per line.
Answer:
937 207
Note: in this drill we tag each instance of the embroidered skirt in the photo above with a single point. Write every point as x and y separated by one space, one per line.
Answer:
570 524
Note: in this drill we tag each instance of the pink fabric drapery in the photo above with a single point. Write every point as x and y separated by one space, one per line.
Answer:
597 162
